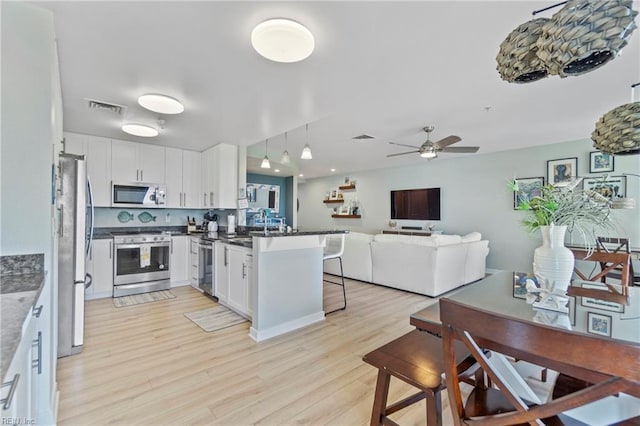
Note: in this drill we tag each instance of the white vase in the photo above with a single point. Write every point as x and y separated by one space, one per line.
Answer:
553 262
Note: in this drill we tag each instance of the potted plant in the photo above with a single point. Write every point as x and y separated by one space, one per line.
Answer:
556 210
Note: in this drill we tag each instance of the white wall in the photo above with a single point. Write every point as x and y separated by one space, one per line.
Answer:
27 132
475 197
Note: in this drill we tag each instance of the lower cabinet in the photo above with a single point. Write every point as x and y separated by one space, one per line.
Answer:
26 388
179 264
221 271
194 262
100 267
233 278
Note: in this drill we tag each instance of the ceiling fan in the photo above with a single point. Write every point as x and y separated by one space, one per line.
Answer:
430 149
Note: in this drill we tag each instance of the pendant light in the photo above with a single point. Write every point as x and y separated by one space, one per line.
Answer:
306 151
265 161
618 131
584 35
517 59
285 155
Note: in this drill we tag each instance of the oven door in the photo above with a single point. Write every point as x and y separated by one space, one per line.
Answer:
129 268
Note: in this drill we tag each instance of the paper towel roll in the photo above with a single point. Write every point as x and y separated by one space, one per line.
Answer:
231 224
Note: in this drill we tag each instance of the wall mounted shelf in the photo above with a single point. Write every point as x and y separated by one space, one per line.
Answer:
346 187
333 201
346 216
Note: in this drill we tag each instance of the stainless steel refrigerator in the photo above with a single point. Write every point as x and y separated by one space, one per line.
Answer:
75 234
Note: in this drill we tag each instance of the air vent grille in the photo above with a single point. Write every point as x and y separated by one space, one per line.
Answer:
363 137
105 106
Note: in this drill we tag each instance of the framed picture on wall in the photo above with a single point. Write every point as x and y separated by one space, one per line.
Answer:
333 195
599 324
527 189
562 170
611 187
600 162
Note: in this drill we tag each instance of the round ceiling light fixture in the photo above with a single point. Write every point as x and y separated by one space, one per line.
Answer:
585 35
141 130
161 104
282 40
517 59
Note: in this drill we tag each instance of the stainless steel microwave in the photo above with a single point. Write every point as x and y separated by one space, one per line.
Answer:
144 195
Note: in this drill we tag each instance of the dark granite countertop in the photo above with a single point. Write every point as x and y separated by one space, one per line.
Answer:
21 281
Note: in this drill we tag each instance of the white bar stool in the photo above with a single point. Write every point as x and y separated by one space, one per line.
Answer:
333 250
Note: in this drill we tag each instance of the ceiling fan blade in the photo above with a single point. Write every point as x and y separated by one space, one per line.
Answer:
401 144
462 149
402 153
449 140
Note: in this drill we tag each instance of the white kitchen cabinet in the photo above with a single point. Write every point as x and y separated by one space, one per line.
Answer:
221 271
220 177
194 261
97 152
183 178
179 265
137 162
100 266
233 278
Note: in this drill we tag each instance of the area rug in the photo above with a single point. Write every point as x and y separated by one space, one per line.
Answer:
216 318
138 299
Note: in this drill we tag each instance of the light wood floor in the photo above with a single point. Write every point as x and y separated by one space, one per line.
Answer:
149 365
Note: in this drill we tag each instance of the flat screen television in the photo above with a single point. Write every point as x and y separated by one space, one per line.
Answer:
416 204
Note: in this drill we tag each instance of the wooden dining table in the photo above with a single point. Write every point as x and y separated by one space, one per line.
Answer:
614 319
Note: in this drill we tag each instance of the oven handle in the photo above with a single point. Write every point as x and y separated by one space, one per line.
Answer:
138 245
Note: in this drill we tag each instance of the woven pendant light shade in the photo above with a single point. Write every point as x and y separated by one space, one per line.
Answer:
517 59
618 131
584 35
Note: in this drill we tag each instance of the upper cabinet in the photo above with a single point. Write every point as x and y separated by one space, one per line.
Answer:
137 162
97 152
220 177
183 178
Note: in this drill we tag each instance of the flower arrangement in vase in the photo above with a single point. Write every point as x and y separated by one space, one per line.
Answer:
556 210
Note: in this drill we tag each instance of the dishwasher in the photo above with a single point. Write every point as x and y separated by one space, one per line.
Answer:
205 266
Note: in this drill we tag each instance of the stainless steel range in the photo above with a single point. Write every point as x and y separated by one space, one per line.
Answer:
141 263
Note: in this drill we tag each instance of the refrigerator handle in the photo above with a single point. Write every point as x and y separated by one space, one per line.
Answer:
80 221
91 214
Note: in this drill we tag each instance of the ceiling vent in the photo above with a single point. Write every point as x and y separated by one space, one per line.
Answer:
363 137
105 106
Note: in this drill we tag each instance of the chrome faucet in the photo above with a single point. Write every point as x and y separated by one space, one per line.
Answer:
263 216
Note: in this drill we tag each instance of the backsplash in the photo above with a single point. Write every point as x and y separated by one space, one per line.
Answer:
123 217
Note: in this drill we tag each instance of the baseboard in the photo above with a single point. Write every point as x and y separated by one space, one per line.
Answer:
180 284
260 335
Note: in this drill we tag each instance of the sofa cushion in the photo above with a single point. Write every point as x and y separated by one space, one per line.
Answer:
445 240
359 236
471 237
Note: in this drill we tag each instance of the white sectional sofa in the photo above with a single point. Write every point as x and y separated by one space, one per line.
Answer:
425 265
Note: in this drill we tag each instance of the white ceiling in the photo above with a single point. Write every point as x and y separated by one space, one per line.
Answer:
386 69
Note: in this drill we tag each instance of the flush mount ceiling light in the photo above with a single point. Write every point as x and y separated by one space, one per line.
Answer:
265 161
161 104
517 59
282 40
584 35
285 155
306 151
141 130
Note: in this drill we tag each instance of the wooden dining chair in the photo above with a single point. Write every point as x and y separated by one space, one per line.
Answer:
579 355
607 262
617 245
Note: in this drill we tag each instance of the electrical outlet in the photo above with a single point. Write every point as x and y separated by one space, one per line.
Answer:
167 219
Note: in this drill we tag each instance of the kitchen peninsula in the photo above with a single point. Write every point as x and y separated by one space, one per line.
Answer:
286 286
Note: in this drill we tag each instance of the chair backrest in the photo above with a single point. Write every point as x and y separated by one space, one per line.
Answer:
334 246
539 344
608 262
613 244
